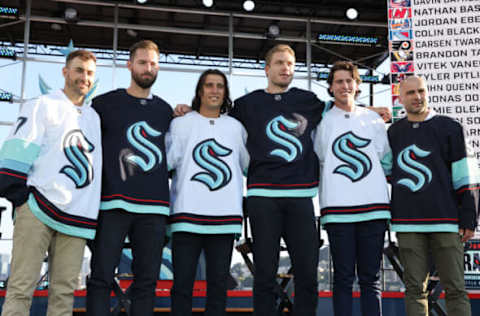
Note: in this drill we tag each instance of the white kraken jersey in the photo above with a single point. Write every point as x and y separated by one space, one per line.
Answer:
209 158
351 147
56 147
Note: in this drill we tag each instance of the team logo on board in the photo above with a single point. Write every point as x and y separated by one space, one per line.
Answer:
346 148
420 174
400 24
285 133
402 67
217 173
401 35
400 13
78 151
399 3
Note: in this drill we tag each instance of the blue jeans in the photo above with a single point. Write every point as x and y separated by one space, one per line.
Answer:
357 244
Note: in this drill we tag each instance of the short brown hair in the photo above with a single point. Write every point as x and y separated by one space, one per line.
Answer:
83 54
278 48
145 44
344 65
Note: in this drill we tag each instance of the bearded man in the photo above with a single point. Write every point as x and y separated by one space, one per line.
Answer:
135 195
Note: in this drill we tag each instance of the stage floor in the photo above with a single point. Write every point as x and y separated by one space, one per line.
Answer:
239 302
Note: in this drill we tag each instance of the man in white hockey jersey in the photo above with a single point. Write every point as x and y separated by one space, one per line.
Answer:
351 142
50 169
206 149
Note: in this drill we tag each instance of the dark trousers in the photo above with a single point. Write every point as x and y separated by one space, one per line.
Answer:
186 248
146 233
357 244
293 220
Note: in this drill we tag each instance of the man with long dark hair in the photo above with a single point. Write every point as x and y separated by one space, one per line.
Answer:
226 102
206 149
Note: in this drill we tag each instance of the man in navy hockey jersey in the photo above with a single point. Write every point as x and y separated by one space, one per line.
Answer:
434 199
282 179
50 169
135 195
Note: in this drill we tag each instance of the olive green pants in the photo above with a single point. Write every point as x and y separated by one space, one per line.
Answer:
447 253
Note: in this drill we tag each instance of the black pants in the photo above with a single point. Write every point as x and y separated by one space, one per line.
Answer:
292 219
146 233
186 248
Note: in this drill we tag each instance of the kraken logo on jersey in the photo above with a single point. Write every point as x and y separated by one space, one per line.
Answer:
77 149
407 161
206 155
345 148
285 132
137 135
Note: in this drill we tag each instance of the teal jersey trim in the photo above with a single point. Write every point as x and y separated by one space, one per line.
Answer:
20 151
328 107
134 208
60 227
205 229
464 172
434 228
354 218
15 165
283 193
387 163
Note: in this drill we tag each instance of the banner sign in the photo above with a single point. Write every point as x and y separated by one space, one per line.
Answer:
472 264
439 40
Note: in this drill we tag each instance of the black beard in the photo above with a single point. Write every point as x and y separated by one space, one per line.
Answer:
143 83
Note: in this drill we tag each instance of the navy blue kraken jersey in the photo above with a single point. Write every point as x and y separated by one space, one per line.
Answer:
135 175
279 128
434 181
